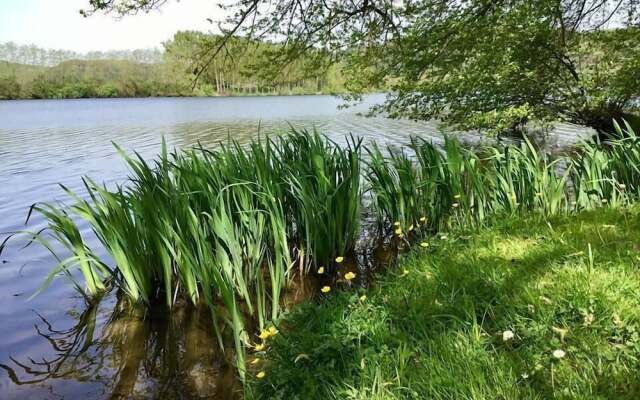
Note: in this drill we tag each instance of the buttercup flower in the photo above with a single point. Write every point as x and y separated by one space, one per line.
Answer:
321 270
261 375
325 289
363 297
273 331
399 231
349 276
397 223
423 219
339 259
264 335
424 244
260 347
255 361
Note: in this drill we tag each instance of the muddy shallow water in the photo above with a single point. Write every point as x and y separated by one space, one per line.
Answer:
54 346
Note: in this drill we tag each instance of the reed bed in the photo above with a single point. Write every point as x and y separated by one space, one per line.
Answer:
225 227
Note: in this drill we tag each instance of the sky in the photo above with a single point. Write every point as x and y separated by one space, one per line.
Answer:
57 24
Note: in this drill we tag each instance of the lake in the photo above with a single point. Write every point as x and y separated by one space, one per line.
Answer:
53 346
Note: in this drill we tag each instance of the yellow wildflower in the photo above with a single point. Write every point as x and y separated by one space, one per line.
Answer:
423 219
261 375
456 196
363 297
321 270
325 289
399 231
273 331
339 259
424 244
397 223
264 335
260 347
349 276
255 361
410 227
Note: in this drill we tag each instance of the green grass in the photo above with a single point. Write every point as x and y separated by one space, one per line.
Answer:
432 326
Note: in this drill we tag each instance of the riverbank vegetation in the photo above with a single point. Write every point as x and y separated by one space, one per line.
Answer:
33 73
227 227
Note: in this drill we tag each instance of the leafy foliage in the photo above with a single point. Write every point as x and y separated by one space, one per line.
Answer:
476 64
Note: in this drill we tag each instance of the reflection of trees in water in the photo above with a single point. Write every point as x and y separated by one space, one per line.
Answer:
167 354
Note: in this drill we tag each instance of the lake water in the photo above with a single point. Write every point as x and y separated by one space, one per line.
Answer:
53 346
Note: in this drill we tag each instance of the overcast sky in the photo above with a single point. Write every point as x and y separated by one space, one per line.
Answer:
56 24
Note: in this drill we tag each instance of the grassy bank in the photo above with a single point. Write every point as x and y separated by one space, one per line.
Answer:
531 308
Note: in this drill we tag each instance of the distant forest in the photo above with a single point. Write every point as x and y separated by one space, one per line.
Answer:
30 72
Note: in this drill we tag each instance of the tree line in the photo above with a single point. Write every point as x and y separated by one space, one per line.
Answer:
28 72
34 55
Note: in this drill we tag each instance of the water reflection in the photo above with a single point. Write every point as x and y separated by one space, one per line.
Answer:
161 355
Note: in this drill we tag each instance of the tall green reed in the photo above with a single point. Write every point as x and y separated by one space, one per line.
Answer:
607 173
322 194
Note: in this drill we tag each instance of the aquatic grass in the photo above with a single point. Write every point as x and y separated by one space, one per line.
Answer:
397 190
607 173
523 180
323 194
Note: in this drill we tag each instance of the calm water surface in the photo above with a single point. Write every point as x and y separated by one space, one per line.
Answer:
53 346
